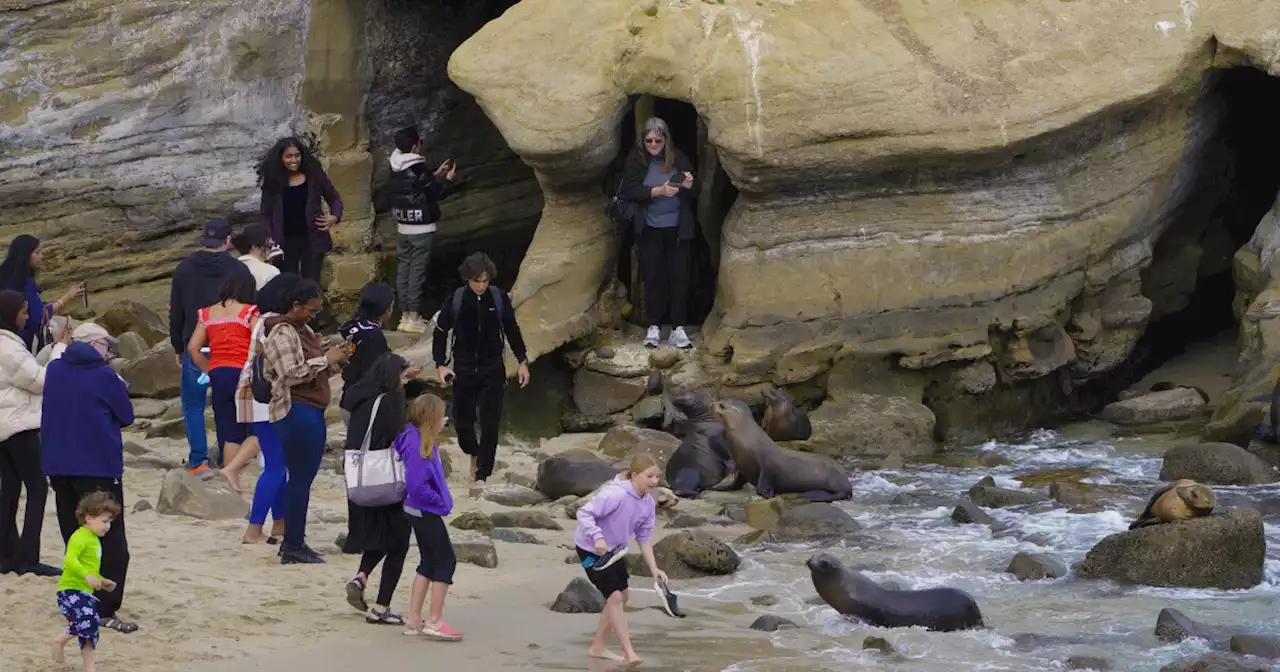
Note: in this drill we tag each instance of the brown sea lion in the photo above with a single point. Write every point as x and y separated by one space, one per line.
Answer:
1183 498
851 593
773 470
782 420
703 458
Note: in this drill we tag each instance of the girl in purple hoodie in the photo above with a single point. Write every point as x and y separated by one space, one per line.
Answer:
623 507
427 501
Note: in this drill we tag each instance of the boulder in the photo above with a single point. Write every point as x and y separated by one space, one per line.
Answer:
472 520
872 424
985 493
149 408
631 361
689 555
620 443
513 536
512 495
475 549
579 597
558 476
1097 663
132 346
126 316
536 520
523 480
1225 551
968 512
1215 662
185 495
873 643
1217 463
1179 403
142 505
792 521
169 429
1035 567
1261 646
1174 626
598 394
771 623
155 374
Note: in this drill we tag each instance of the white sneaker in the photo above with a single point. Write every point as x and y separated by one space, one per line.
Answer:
680 339
412 324
653 337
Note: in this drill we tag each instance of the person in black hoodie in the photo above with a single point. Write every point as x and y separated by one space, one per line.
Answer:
195 285
363 334
380 533
415 195
484 314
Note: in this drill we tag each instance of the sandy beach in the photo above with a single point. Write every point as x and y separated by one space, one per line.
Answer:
204 601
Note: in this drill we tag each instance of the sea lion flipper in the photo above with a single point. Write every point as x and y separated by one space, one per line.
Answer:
764 487
685 484
736 484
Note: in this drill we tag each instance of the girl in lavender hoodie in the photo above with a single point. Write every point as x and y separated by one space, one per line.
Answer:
427 501
621 508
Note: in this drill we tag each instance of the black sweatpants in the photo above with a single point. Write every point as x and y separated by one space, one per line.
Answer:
391 570
479 392
438 560
67 492
299 259
19 468
664 268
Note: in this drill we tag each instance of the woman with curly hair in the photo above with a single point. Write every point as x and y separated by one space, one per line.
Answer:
293 186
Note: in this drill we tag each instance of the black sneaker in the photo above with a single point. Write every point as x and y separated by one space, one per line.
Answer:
667 599
300 556
605 561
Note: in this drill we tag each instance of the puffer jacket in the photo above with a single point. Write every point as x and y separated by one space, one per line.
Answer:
21 385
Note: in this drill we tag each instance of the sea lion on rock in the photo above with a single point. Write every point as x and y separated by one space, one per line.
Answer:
782 420
1183 498
851 593
703 458
773 470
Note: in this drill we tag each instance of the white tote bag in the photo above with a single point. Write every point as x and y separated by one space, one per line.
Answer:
374 478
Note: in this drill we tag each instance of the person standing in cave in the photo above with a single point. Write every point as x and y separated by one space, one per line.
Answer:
479 314
415 203
659 178
293 186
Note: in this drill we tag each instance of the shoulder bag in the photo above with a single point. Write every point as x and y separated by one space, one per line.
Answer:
374 478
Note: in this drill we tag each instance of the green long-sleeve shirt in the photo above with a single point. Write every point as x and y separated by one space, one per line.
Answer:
84 558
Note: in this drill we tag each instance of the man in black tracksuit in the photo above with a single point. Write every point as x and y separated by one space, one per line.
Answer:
483 315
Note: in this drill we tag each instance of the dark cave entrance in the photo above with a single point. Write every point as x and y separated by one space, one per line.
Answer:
1195 294
717 193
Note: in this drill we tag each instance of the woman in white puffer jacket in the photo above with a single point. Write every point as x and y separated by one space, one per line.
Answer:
21 387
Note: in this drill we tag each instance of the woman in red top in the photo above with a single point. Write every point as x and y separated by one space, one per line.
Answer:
226 327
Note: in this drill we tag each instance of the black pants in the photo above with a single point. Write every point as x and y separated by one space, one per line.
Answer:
479 390
20 467
391 570
664 268
67 492
438 559
299 260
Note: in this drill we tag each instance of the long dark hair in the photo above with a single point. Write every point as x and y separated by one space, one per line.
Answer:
11 303
273 177
16 269
375 299
384 377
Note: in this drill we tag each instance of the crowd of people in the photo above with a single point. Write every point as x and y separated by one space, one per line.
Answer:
241 330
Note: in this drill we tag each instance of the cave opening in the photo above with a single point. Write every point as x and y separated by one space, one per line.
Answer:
1193 280
716 196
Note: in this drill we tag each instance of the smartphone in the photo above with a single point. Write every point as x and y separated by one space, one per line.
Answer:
85 285
677 180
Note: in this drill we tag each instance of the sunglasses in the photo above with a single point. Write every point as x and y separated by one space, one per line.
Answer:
654 141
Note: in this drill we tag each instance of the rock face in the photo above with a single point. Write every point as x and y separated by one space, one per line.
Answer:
989 209
1223 551
155 374
1219 463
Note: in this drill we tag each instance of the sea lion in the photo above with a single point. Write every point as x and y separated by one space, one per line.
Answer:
1166 385
1183 498
782 420
851 593
703 458
773 470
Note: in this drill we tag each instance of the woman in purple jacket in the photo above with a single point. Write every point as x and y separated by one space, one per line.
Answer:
427 501
293 185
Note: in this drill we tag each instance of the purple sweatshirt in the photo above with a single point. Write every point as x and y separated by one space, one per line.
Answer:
614 514
425 486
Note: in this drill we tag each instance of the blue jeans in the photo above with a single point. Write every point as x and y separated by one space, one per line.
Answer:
268 494
194 397
302 436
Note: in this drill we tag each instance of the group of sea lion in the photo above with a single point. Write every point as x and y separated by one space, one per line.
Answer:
722 438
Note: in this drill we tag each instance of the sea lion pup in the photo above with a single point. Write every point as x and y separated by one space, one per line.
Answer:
1183 498
782 420
703 458
1166 385
773 470
851 593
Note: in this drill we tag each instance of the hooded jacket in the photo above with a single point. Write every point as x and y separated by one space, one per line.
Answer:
85 406
195 285
426 488
415 194
370 344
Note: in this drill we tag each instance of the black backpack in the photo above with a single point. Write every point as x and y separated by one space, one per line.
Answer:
499 307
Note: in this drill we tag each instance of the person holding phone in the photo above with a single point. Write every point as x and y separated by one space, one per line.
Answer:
660 178
416 192
18 272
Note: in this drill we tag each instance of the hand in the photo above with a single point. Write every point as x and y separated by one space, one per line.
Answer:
94 582
64 337
413 372
664 190
661 576
108 585
338 354
453 172
443 372
177 357
76 291
522 374
325 222
688 180
601 547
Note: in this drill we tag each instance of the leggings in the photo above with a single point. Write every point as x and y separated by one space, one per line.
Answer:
302 435
20 467
269 493
391 570
438 559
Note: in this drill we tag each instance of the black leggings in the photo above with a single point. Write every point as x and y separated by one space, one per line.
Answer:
391 570
19 468
664 269
438 558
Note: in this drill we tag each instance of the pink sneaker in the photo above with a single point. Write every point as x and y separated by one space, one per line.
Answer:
441 631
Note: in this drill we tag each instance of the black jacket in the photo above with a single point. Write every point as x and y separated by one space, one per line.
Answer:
477 334
633 189
416 194
195 285
386 427
370 344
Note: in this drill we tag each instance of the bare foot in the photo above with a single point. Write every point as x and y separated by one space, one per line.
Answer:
57 646
277 530
254 539
604 654
632 660
231 477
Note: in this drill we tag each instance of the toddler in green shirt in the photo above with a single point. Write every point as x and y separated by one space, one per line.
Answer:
80 576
